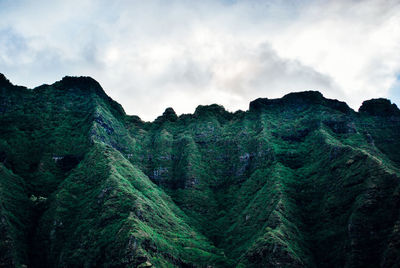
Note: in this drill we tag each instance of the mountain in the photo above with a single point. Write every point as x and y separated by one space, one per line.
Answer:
301 181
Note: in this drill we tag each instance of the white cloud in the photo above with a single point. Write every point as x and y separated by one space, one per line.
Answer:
355 42
149 55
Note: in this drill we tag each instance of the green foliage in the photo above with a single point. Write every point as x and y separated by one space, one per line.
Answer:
14 219
301 181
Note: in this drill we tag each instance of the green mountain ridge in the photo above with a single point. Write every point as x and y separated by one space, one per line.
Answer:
301 181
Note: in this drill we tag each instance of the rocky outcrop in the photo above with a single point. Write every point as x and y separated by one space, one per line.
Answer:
379 107
168 115
213 110
4 82
299 100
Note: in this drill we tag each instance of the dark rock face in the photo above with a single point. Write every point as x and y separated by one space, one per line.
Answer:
4 82
68 162
259 104
215 110
379 107
83 82
168 115
296 136
341 126
310 97
109 130
3 156
299 100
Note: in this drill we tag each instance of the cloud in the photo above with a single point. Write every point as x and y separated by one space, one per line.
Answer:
149 55
355 42
395 92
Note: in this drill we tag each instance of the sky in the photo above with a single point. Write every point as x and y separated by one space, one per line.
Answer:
150 55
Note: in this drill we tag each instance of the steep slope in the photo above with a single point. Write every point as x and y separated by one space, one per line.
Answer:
14 208
301 181
64 141
108 213
282 184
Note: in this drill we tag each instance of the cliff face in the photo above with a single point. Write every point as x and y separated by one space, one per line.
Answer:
301 181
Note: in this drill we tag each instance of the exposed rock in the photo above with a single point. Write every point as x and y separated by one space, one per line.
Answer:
146 264
190 183
341 126
245 157
245 162
159 173
102 194
166 157
57 158
370 140
99 119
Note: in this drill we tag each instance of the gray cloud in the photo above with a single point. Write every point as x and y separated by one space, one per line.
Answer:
264 69
149 55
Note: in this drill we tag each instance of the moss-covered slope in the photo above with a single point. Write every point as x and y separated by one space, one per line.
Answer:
301 181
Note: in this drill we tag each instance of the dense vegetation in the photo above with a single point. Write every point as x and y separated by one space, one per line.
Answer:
301 181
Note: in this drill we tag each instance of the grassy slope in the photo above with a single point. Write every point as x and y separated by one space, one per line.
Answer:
107 212
57 139
300 181
286 186
14 219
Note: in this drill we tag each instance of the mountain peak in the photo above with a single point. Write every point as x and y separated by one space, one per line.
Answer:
299 99
212 109
308 96
169 114
88 84
83 82
4 81
379 107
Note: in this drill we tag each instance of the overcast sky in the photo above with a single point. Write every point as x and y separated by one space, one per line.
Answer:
149 55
